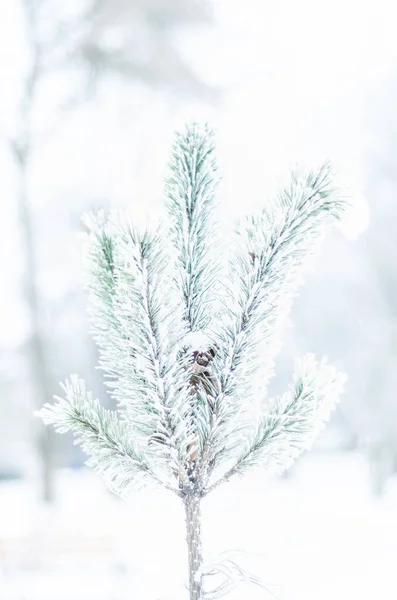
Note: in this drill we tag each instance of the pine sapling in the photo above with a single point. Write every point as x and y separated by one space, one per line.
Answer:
187 342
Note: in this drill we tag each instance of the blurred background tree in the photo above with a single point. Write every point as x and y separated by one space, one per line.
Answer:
70 51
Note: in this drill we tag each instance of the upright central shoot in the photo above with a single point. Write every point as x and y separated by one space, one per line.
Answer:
187 346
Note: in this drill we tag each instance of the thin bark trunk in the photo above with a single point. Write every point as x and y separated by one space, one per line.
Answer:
22 149
193 537
36 347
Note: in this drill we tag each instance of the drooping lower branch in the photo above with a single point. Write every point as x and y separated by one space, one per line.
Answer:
194 546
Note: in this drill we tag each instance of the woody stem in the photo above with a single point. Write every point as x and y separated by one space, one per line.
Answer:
193 538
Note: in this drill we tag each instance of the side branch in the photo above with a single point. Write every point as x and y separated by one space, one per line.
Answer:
105 438
291 423
266 273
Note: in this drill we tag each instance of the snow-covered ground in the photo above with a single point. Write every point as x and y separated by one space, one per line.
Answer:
317 535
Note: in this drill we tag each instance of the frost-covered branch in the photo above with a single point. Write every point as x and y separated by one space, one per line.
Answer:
139 330
189 193
107 440
264 278
291 423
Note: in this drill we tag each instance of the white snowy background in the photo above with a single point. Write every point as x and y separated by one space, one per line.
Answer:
299 82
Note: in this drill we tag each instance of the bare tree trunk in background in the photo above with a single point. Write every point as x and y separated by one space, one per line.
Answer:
36 345
22 147
81 40
380 460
